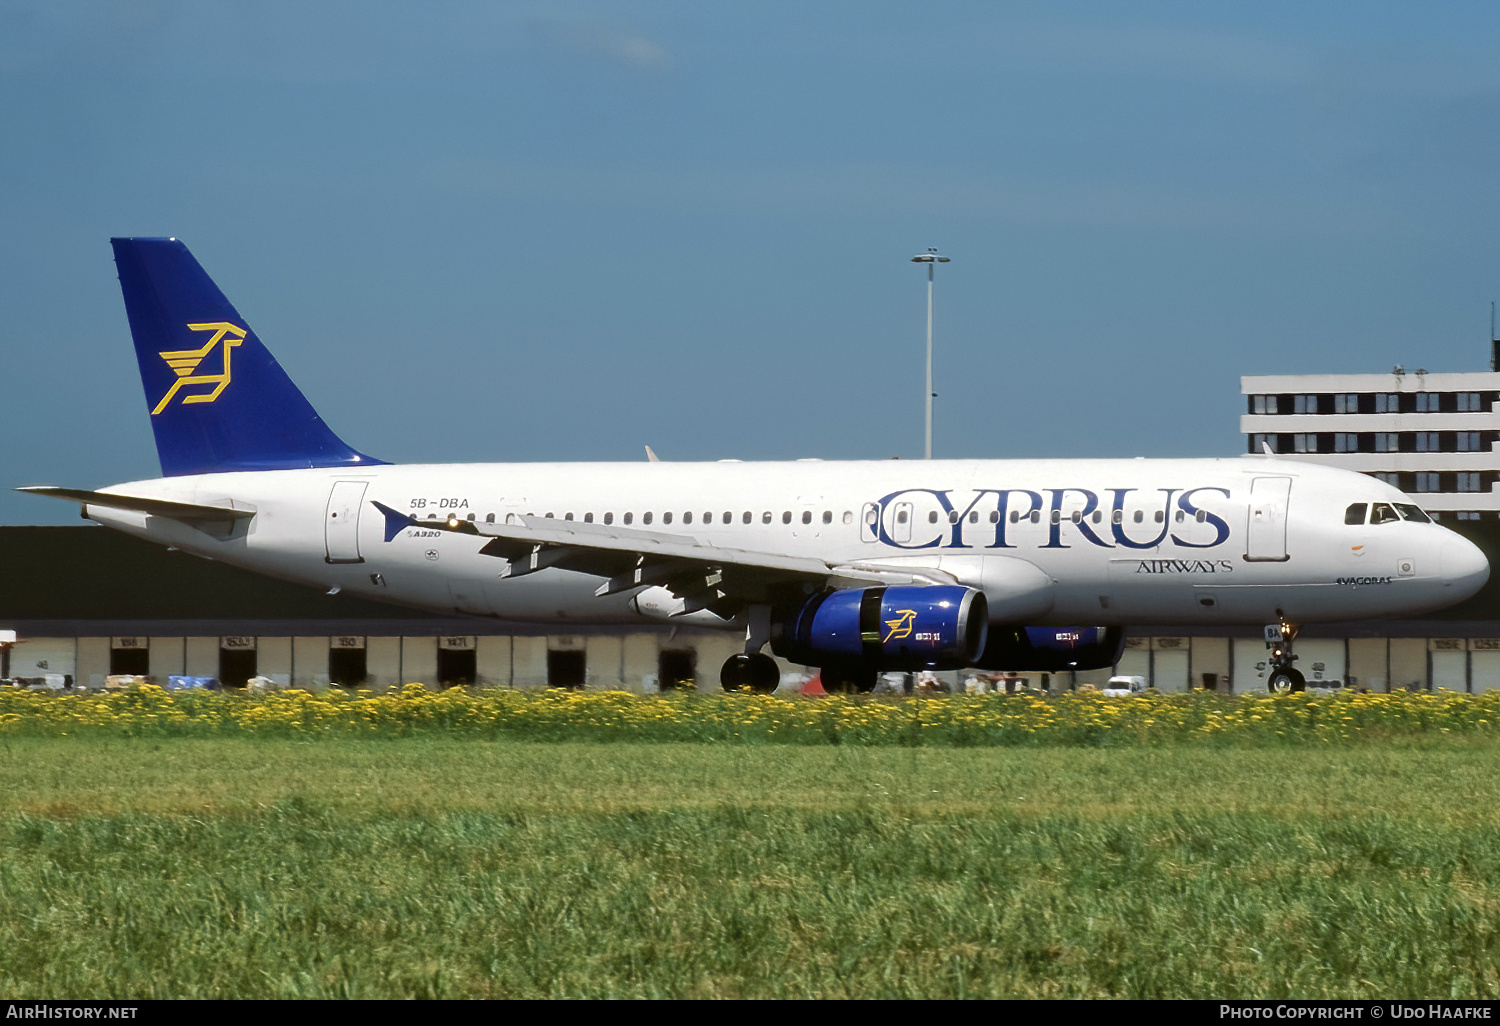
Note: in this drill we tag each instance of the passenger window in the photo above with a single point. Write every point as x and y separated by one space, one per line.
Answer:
1015 515
489 518
687 518
848 516
807 516
1201 516
646 518
588 518
1036 516
1077 516
828 516
609 518
974 516
1056 516
1382 513
1097 517
1179 516
551 517
629 517
1161 515
1139 516
1413 513
1117 517
745 519
729 518
901 516
567 516
786 517
1355 514
995 516
932 516
666 518
765 517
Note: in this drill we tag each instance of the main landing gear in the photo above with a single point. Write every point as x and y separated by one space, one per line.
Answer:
752 670
1282 678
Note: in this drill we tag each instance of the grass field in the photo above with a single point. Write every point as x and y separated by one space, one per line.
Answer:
1071 719
430 866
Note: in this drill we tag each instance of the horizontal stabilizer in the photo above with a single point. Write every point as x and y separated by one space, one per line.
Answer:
151 507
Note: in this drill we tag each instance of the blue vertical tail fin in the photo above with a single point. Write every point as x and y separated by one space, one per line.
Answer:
219 401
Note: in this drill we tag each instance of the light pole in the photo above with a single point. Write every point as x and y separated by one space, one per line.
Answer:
929 258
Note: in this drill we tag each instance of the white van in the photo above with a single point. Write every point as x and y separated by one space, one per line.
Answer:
1123 687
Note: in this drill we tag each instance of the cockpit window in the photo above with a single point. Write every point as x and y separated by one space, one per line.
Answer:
1382 513
1355 514
1412 513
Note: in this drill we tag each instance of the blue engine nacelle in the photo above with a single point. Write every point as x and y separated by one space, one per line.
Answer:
902 628
1052 649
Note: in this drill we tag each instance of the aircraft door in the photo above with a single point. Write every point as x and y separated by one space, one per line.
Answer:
341 522
1265 532
807 522
869 522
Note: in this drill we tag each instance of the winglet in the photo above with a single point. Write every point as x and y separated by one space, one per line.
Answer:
395 520
1265 447
651 457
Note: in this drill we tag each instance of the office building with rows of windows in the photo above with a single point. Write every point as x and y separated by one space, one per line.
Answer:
1434 436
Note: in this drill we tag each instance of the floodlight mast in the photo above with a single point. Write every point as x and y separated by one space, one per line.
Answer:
930 258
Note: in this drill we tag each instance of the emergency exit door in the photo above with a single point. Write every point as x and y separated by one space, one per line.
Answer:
341 523
1265 533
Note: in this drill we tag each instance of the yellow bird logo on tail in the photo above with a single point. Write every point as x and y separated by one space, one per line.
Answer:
185 361
902 625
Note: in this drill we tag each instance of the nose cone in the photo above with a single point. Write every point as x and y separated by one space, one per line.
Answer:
1463 567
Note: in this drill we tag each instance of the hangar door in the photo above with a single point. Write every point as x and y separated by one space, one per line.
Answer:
341 523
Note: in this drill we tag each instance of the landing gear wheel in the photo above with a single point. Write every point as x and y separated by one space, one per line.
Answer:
849 679
1285 682
757 672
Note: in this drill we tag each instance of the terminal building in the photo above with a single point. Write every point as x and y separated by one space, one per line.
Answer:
87 602
1435 436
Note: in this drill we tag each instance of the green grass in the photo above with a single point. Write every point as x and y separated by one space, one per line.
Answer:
250 867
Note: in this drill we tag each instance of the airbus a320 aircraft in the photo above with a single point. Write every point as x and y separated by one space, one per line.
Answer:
854 567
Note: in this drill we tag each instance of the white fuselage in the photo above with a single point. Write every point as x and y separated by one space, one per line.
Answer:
1228 541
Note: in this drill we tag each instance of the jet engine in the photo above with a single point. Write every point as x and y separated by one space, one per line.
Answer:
1051 649
893 628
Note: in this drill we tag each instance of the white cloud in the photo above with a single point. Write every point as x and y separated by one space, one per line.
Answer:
633 51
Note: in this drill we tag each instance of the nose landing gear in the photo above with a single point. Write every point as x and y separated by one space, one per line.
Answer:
1283 678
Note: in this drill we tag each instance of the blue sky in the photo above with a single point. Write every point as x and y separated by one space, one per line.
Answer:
565 230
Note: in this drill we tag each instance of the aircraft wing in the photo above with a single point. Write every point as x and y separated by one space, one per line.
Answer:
185 511
704 575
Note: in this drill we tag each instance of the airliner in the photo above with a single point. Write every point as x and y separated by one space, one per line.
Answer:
855 567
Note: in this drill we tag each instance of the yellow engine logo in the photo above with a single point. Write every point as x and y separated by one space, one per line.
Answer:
901 628
185 361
